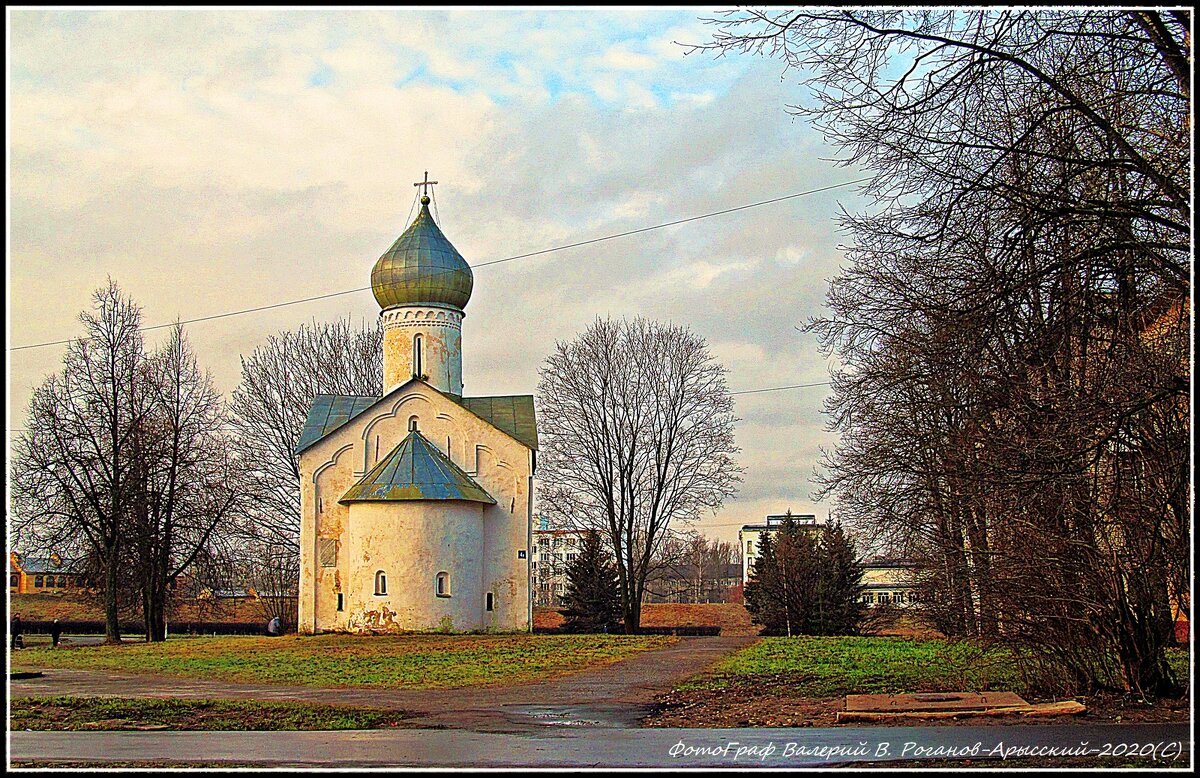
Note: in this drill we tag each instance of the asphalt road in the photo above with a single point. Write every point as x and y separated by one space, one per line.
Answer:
1164 745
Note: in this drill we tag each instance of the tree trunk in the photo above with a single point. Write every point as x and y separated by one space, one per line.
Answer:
633 611
112 621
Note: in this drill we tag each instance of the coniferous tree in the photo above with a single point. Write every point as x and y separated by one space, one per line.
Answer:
806 584
593 597
841 583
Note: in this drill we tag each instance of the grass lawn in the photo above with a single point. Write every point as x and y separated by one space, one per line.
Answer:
114 713
802 681
392 661
834 666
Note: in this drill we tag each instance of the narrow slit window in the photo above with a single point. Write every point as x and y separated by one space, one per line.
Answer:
490 602
412 423
341 601
442 585
417 356
380 583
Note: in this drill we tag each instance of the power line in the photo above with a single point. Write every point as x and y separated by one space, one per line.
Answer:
743 391
479 265
781 388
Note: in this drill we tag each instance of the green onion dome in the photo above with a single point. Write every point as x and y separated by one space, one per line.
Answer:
422 268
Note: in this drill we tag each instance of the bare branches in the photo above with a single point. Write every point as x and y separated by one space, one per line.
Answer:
636 427
1012 325
268 409
124 460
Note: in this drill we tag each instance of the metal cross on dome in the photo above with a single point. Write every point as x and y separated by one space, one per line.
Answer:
425 184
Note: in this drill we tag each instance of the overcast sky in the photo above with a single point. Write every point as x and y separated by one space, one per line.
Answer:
216 160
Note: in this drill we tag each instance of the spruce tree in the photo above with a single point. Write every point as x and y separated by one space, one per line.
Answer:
593 597
841 583
804 583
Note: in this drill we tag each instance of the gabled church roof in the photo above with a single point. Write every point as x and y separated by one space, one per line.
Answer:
511 414
327 413
416 470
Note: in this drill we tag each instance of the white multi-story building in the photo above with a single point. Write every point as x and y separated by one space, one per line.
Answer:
750 536
553 550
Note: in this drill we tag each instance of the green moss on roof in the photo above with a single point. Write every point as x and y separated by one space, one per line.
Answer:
416 470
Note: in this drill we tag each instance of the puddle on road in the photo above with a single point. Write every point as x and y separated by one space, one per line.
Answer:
558 715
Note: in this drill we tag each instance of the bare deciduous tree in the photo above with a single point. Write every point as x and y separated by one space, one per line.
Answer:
125 460
636 429
185 479
1012 327
72 472
268 409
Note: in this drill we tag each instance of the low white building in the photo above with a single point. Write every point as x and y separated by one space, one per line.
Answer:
888 581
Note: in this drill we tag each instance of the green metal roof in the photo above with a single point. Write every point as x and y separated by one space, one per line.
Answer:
422 268
511 414
327 413
416 470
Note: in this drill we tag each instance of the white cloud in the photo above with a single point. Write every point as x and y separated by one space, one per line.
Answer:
212 160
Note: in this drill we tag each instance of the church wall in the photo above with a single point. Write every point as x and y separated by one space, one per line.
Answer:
504 470
411 545
345 456
441 346
326 472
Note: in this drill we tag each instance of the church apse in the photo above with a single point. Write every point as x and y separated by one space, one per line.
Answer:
416 505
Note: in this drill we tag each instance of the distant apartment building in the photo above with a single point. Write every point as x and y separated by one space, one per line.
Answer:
688 584
750 537
552 550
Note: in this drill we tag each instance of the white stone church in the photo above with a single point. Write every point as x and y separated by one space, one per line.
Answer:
416 506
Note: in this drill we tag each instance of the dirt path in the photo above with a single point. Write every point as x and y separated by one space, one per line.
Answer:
615 695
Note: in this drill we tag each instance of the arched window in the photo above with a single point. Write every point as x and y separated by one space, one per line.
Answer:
443 584
38 581
418 363
380 583
412 423
14 579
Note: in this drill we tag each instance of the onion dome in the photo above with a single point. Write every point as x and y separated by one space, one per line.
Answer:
422 268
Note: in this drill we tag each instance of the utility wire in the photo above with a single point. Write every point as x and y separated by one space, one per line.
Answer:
781 388
743 391
481 264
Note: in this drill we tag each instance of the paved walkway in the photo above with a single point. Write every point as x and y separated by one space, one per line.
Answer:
1169 745
615 695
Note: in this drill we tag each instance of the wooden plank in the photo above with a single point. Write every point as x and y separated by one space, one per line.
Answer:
1064 708
932 701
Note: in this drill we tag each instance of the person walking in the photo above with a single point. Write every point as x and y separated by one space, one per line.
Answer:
55 633
17 640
